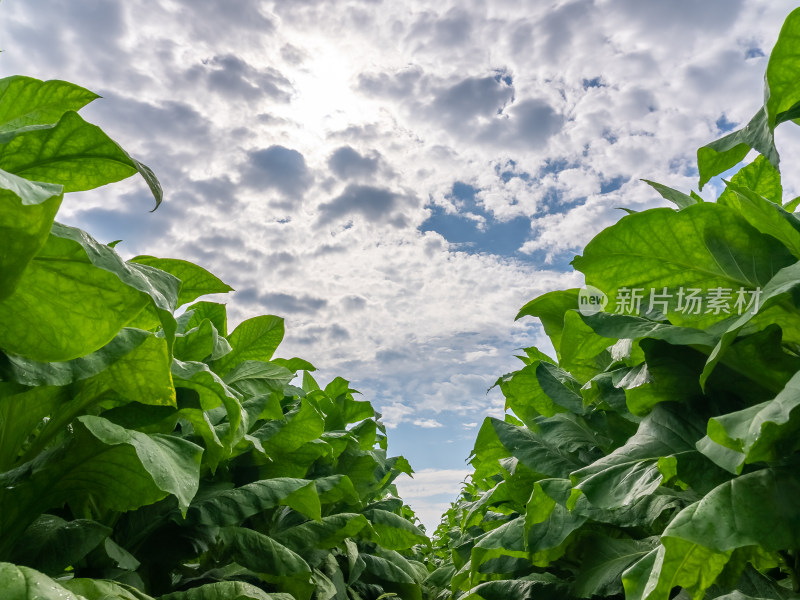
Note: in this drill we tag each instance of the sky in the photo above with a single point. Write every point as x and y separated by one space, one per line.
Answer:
397 178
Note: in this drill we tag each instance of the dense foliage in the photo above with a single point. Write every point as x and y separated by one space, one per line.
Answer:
144 454
656 454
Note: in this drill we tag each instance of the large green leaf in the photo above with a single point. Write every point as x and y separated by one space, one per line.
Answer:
756 509
226 590
326 533
604 561
761 177
675 563
22 410
550 308
234 506
679 198
76 295
22 583
768 217
26 101
393 531
52 544
785 282
635 469
106 466
72 153
705 247
763 432
253 339
525 396
195 280
519 589
498 439
728 151
780 90
100 589
260 553
28 211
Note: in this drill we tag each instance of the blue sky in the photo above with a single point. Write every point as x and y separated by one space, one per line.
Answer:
397 179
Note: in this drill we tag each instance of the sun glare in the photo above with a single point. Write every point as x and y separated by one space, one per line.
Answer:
325 100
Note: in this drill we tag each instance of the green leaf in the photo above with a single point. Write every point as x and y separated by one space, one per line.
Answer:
226 590
675 563
393 531
498 439
99 589
394 569
21 411
22 583
518 589
632 470
302 424
262 554
756 509
525 396
603 562
550 308
709 247
105 465
294 364
76 295
728 151
560 387
766 216
764 432
679 198
328 532
213 311
195 280
25 221
26 101
759 177
780 90
232 507
582 350
52 544
785 282
253 339
71 152
619 326
200 343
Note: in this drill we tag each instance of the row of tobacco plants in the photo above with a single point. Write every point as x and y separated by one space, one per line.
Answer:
144 455
655 455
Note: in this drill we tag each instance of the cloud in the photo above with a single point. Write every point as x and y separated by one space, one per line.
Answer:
232 77
433 482
347 163
374 204
395 413
279 168
527 124
280 303
472 97
427 423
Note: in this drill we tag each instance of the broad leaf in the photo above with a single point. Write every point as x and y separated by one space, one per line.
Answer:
28 211
26 101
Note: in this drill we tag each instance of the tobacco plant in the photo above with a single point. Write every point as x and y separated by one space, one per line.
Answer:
144 455
655 455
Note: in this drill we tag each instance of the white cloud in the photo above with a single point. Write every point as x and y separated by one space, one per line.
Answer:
427 423
432 482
